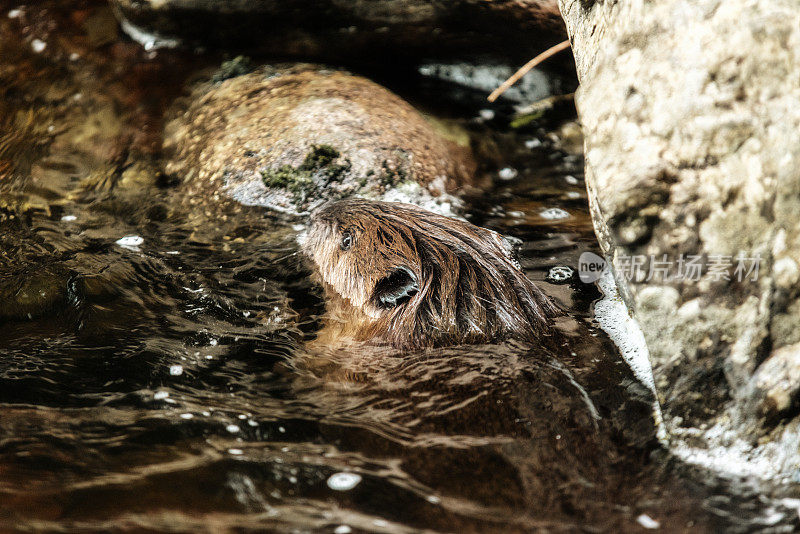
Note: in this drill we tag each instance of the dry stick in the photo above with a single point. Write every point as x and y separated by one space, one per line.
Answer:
553 50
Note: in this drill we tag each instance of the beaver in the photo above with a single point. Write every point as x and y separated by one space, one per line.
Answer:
400 275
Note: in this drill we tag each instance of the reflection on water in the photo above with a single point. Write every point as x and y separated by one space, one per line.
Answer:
153 369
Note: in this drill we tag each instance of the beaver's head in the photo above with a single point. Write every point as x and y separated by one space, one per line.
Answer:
399 274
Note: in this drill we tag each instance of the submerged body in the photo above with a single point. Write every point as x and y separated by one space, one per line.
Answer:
400 275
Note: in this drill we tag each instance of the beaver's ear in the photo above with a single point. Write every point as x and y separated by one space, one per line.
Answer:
395 289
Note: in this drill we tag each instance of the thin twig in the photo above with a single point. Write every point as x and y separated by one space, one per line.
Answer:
525 68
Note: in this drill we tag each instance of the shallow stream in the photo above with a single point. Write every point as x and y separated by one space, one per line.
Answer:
153 375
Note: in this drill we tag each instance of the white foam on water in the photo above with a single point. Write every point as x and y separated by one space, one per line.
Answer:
560 273
38 45
507 173
343 481
533 143
725 452
553 214
648 522
130 241
732 457
614 318
413 193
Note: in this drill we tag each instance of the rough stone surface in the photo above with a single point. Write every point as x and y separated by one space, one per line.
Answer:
776 383
692 124
290 138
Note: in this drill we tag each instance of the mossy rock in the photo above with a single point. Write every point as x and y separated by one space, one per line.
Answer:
289 137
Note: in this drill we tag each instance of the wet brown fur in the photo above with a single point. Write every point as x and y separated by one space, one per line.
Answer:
415 279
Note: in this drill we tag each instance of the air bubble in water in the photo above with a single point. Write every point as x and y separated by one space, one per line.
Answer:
343 481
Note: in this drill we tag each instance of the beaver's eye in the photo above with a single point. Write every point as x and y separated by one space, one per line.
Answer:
347 241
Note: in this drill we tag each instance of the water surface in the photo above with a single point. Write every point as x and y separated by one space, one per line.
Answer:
153 369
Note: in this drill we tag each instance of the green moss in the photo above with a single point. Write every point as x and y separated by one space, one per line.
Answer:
232 68
392 175
298 182
319 157
314 174
335 173
524 120
280 177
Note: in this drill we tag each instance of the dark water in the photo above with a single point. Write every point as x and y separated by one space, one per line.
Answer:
153 375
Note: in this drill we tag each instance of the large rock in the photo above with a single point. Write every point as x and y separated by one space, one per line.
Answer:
692 124
289 138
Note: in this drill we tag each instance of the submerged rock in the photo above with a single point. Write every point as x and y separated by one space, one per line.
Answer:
31 293
690 115
31 283
292 137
